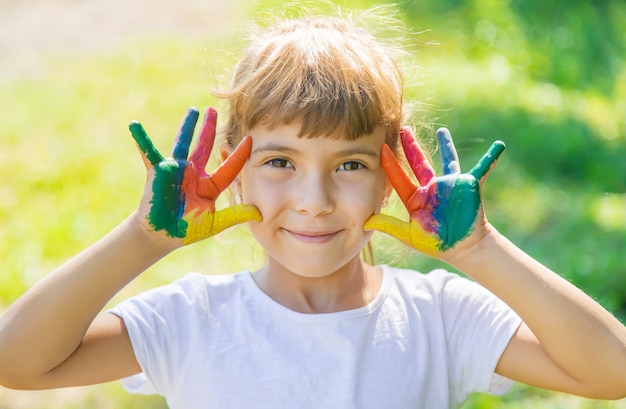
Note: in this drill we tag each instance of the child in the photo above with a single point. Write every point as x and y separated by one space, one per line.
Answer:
313 133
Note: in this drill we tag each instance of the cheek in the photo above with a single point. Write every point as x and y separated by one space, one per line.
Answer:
363 199
258 191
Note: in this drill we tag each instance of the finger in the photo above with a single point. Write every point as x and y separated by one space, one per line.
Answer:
210 224
214 184
146 147
202 152
411 233
180 149
389 225
488 161
449 156
414 154
405 187
233 215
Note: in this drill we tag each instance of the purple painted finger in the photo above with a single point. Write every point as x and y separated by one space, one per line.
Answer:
202 152
449 157
414 154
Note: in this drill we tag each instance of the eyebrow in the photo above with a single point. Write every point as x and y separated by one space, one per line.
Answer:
275 147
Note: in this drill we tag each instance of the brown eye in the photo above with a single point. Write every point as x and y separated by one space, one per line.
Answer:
279 163
351 165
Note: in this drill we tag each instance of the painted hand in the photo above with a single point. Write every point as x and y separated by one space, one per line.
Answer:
179 199
444 210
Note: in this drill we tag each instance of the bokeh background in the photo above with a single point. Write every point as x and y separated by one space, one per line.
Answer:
548 77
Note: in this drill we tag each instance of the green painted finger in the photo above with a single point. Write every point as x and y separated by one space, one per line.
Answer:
488 160
145 144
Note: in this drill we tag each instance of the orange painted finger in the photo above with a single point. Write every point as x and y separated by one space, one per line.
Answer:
421 167
405 187
230 168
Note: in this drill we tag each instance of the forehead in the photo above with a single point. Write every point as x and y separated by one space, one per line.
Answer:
288 138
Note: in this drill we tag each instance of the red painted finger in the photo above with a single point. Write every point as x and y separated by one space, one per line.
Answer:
202 151
421 167
405 187
230 168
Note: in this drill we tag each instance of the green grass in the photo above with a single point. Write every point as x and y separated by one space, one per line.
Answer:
71 172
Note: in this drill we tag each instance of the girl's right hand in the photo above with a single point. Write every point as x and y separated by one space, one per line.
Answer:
179 196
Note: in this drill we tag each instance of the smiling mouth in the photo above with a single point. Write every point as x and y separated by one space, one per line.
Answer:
313 237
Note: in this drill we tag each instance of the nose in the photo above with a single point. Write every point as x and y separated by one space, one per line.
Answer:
314 195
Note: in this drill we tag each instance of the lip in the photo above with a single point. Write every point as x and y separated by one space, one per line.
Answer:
315 237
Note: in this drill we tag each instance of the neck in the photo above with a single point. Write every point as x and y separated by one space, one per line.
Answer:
353 286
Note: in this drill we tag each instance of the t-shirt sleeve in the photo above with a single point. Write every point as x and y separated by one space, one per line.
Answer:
479 327
161 325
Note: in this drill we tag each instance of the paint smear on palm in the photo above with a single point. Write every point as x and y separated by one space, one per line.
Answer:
168 200
458 203
447 217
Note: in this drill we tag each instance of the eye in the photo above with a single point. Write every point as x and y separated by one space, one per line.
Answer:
351 165
279 163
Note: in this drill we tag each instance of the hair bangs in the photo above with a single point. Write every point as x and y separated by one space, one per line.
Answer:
321 73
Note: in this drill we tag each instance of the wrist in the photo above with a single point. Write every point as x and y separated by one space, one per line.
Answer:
156 242
473 256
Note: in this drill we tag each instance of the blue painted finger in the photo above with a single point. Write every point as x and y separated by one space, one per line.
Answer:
180 149
449 157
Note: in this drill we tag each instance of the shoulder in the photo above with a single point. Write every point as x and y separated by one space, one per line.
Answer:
448 292
436 282
192 292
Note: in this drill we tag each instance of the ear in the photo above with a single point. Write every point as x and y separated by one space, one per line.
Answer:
225 150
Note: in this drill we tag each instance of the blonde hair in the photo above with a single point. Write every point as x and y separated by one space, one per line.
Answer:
332 76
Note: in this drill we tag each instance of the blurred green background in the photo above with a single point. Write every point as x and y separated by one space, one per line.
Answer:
547 77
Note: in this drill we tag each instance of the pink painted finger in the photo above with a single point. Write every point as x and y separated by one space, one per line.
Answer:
414 154
405 187
202 151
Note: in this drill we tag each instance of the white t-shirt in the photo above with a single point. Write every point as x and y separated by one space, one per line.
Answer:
425 341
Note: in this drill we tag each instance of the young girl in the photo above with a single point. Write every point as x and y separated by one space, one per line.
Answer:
313 133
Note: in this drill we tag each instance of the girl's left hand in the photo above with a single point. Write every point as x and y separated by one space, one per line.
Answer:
444 210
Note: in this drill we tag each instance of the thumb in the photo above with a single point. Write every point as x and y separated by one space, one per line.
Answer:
390 225
410 233
233 215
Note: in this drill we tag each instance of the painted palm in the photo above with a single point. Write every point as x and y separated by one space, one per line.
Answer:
180 196
443 209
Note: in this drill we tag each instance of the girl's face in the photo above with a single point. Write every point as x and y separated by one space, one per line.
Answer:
314 195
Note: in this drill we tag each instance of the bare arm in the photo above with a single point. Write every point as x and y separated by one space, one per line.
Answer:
50 337
46 326
567 342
